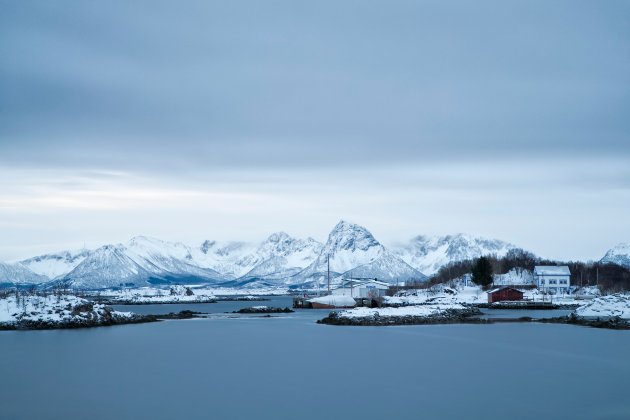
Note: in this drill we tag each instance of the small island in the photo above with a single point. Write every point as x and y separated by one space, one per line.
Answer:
44 311
263 310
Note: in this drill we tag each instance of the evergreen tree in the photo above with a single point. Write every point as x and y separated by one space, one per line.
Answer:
482 272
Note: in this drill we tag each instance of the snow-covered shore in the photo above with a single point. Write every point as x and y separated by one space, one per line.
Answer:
406 315
605 307
439 295
183 294
471 295
150 295
27 311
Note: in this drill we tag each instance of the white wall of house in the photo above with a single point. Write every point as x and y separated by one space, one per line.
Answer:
553 279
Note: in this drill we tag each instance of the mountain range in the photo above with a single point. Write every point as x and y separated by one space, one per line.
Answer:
280 260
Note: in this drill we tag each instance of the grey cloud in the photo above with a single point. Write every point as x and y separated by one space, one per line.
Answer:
124 84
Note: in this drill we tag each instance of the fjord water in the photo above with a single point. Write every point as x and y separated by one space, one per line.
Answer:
288 367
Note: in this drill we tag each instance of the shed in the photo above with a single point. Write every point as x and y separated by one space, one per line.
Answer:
504 294
362 288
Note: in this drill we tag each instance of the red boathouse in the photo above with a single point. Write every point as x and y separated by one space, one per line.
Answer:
503 294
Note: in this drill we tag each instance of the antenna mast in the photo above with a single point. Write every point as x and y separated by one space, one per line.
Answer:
328 262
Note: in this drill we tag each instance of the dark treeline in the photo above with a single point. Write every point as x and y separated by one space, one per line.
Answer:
609 277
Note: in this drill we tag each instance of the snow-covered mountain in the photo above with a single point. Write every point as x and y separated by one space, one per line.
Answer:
281 256
17 273
428 253
230 259
140 262
352 250
276 258
279 259
55 265
107 266
619 255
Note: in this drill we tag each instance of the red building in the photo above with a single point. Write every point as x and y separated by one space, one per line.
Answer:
504 293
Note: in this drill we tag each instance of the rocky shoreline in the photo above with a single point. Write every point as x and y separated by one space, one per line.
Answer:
148 302
107 319
613 323
263 310
448 316
242 299
469 316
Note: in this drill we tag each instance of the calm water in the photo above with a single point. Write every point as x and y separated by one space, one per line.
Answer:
218 307
288 367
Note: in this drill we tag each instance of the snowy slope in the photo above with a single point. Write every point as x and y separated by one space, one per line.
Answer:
55 265
352 250
619 255
428 253
166 259
141 261
281 256
230 259
276 258
108 266
17 273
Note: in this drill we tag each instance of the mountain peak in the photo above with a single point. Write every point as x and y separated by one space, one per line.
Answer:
620 255
277 237
350 236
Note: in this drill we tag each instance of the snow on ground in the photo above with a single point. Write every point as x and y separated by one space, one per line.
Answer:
188 294
469 295
514 277
439 294
420 311
559 299
244 291
588 292
616 305
334 300
52 309
174 294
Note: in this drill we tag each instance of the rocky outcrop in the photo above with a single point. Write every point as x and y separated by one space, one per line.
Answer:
448 316
263 310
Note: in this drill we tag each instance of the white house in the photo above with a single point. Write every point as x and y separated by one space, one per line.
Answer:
363 288
553 278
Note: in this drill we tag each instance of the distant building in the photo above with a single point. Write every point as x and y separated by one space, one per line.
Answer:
553 278
362 288
504 294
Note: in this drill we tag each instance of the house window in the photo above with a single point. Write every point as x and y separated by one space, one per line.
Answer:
542 282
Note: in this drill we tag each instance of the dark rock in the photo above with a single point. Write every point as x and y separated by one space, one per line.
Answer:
265 310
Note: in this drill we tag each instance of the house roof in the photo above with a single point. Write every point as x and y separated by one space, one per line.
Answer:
358 283
552 270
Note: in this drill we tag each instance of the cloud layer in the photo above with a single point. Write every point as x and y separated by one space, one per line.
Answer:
237 118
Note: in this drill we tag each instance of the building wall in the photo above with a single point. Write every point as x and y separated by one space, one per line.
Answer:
557 283
361 291
507 294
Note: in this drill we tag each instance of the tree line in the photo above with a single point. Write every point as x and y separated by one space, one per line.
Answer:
609 277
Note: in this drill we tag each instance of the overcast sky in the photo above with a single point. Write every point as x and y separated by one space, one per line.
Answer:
233 119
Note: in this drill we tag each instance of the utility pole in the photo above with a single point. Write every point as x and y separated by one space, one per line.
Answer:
328 262
597 276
